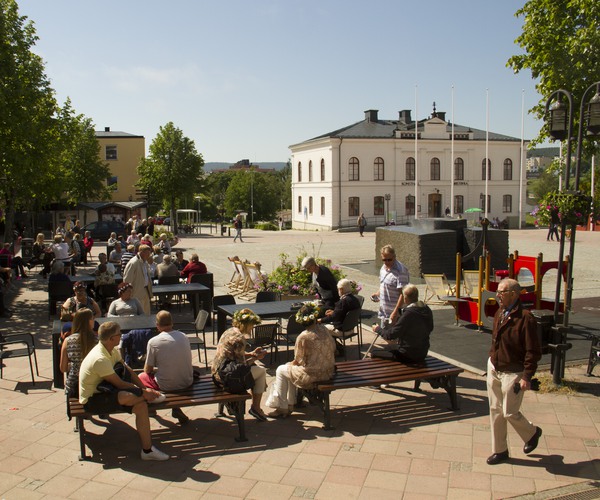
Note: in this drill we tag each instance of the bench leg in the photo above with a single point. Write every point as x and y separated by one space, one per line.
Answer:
79 424
239 410
326 412
220 412
446 382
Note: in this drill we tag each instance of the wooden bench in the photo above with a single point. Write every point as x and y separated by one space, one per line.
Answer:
375 371
202 392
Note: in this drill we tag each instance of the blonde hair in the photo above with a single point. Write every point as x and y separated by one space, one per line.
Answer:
232 345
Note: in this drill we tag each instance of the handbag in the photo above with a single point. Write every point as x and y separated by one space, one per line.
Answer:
235 377
124 374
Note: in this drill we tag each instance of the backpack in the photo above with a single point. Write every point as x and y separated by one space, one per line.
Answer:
235 377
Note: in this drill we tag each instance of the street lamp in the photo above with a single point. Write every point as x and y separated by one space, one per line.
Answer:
387 198
560 127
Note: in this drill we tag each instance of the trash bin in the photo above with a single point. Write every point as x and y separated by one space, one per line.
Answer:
545 321
223 229
26 249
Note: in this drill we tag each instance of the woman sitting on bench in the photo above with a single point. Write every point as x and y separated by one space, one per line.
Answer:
314 361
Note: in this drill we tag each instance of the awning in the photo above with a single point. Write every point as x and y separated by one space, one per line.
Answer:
99 205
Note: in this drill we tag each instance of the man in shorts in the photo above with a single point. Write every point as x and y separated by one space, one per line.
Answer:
168 361
97 367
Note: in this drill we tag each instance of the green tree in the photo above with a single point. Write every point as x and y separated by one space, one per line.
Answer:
28 133
248 187
546 182
173 168
83 173
560 39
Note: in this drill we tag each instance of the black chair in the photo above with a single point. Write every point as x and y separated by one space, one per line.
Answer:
264 296
206 279
350 328
58 291
220 300
169 280
265 335
18 345
199 325
292 331
106 294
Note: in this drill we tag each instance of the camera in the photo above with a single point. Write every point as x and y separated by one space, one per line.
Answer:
535 386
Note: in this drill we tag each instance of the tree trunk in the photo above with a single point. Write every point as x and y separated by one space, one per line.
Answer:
173 218
9 216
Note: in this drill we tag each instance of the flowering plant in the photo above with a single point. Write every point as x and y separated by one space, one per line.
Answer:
356 287
570 207
309 313
246 317
290 278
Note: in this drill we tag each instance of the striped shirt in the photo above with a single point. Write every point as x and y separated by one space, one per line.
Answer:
390 287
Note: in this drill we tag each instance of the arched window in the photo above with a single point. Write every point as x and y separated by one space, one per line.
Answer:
299 171
508 169
299 204
353 169
459 204
310 205
459 170
489 170
410 169
310 171
378 206
353 206
322 205
322 169
409 205
507 203
378 169
434 169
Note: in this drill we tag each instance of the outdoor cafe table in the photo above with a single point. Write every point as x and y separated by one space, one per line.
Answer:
275 309
125 322
90 278
194 290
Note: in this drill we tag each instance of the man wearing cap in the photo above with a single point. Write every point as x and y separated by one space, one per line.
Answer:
168 361
324 281
138 274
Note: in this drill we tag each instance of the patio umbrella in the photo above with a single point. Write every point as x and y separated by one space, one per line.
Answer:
473 210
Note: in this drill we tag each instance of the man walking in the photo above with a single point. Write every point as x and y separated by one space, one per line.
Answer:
237 224
513 360
361 222
168 361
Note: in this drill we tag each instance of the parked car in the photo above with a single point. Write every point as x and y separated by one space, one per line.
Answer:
101 229
166 221
159 219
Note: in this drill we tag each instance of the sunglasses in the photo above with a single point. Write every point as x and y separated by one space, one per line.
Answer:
387 260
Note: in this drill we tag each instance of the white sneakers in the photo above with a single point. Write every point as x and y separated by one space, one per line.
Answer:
155 454
159 399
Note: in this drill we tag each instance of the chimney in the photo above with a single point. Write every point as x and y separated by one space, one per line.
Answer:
107 129
441 115
371 115
405 116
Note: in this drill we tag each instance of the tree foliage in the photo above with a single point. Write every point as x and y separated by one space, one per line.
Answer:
560 39
27 117
173 168
83 173
249 188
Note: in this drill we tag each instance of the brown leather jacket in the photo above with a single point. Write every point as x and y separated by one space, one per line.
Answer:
515 343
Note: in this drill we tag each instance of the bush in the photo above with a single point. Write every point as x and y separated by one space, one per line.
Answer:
266 226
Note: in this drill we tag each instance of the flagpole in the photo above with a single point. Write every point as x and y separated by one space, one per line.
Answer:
487 156
452 161
592 219
416 153
522 158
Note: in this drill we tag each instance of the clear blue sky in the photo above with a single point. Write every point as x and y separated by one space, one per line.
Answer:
245 79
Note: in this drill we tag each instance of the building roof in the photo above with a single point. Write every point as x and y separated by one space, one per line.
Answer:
109 134
98 205
374 128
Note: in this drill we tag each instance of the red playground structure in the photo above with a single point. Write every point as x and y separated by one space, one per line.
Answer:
475 299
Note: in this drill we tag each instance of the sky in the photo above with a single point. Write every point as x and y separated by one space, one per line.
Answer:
247 79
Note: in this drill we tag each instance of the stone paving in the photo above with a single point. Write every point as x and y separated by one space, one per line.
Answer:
394 443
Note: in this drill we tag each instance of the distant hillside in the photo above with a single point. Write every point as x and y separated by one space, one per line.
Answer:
209 166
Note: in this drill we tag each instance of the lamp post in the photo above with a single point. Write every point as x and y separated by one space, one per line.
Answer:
387 198
560 125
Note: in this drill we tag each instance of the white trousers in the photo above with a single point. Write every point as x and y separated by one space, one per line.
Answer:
283 393
259 373
505 407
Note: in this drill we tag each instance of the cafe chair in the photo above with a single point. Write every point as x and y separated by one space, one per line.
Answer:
263 336
106 294
264 296
199 326
220 300
350 328
169 280
292 331
58 291
18 345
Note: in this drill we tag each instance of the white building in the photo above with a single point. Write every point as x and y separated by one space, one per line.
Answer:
352 170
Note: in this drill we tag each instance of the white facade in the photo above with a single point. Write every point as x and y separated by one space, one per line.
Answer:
366 161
